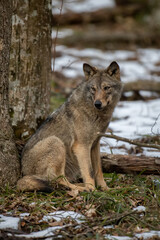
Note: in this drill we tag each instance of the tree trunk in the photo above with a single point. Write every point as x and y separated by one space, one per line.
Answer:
9 164
30 65
130 164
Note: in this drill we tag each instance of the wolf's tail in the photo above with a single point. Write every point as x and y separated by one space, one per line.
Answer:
33 183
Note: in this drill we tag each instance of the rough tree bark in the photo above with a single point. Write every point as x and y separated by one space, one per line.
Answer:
9 164
30 65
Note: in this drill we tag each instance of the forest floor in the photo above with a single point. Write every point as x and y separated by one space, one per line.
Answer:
131 208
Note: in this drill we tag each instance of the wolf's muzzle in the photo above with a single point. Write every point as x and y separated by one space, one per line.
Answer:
98 104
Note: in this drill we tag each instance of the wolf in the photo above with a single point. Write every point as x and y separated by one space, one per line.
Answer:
67 144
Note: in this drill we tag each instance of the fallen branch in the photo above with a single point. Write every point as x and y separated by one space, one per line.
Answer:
145 85
99 16
118 38
134 142
115 218
130 164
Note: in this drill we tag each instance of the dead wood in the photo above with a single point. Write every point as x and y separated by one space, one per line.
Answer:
145 85
131 141
102 15
130 164
118 39
65 85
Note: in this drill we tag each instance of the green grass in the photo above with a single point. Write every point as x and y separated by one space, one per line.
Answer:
100 208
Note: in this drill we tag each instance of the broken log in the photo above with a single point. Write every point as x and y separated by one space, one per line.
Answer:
145 85
99 16
112 39
66 84
130 164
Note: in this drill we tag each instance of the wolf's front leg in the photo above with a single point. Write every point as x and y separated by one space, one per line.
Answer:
96 163
82 154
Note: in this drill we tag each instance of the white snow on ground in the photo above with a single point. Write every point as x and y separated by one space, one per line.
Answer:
59 215
13 222
141 236
148 235
157 183
139 209
62 33
132 120
109 227
44 233
8 222
110 237
81 5
70 63
24 215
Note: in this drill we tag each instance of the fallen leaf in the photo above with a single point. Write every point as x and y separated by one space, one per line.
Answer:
23 223
73 193
53 224
91 212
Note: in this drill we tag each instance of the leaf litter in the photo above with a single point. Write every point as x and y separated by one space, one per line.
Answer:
131 208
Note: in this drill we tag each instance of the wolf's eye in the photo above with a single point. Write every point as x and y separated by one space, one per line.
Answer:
106 88
93 89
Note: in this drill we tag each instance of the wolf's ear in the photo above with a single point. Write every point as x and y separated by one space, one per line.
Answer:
113 70
88 70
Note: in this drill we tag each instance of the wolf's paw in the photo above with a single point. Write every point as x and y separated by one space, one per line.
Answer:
81 187
89 187
103 186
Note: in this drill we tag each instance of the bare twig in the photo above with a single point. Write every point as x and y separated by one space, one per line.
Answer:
134 142
117 218
144 222
155 124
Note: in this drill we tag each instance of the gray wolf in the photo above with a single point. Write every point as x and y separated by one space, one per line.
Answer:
67 144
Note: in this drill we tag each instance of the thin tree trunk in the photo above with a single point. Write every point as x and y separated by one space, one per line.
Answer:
9 164
30 65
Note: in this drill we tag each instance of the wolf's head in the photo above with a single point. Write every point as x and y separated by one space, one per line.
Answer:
103 86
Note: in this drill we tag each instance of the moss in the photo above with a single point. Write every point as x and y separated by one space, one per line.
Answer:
23 132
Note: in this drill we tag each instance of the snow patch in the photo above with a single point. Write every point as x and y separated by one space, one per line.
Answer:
59 215
9 222
24 215
111 237
139 209
81 6
44 233
62 33
135 65
133 120
148 235
13 223
109 227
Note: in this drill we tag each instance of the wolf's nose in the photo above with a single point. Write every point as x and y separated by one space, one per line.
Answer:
98 104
